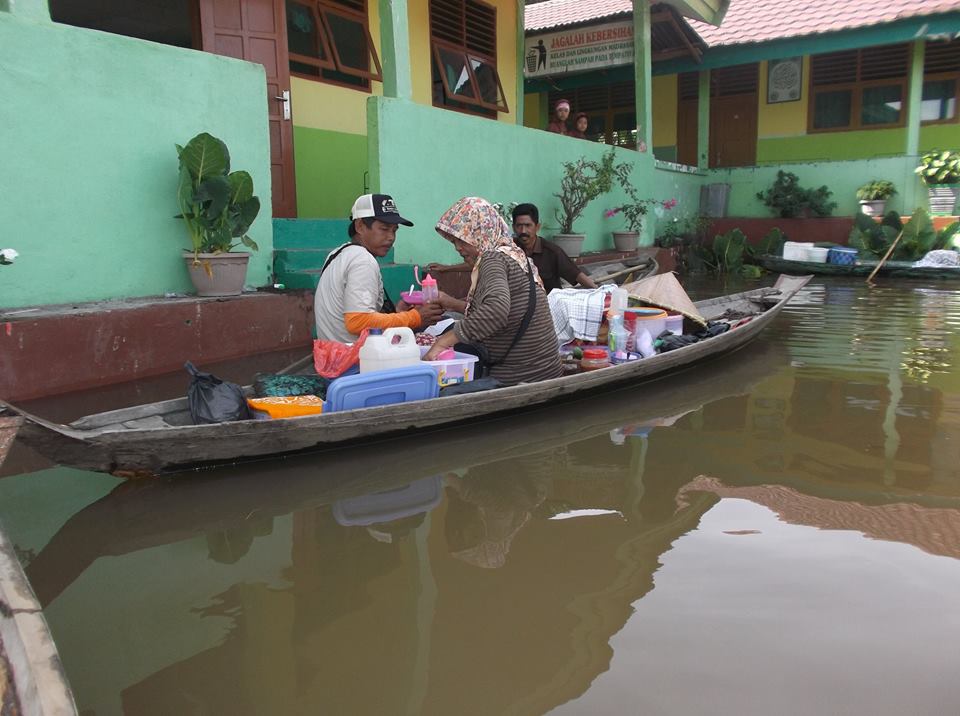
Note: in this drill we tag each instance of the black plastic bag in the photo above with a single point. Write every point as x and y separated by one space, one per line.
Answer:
213 400
713 329
477 385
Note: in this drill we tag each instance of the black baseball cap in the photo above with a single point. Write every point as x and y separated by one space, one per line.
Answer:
376 206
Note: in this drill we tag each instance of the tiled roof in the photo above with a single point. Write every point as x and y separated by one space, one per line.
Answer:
554 13
749 21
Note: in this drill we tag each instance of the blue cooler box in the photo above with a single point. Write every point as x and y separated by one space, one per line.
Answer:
382 387
842 257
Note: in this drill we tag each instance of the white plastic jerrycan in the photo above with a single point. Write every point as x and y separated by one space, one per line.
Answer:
390 348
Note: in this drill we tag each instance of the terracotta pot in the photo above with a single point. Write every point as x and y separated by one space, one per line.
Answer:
570 243
876 207
626 240
220 274
943 198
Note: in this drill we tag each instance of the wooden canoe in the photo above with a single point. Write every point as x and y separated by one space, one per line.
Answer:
159 437
894 269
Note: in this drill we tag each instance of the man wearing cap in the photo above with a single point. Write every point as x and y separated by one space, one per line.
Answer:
561 111
350 295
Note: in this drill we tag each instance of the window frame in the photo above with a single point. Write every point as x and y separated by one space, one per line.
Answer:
319 10
476 106
939 77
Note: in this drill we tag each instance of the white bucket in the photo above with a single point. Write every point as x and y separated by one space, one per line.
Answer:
817 254
395 348
674 323
796 250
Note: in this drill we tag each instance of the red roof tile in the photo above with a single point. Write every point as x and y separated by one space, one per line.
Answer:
749 21
554 13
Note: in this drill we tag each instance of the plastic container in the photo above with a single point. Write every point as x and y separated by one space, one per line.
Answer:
796 250
594 359
458 369
414 298
618 300
674 323
649 318
842 257
430 290
389 349
289 406
383 387
817 254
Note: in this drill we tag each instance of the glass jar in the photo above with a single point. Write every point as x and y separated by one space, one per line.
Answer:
594 358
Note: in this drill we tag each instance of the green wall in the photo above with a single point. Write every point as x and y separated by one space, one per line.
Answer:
866 144
89 170
460 155
841 177
330 172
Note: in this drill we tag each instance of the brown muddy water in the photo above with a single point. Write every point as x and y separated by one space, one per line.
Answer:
778 533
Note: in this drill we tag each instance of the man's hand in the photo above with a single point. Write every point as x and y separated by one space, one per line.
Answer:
437 268
450 303
430 313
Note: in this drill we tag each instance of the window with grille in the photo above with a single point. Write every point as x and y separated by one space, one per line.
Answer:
329 41
463 45
610 109
859 89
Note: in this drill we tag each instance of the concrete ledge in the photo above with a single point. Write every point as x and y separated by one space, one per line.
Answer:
47 350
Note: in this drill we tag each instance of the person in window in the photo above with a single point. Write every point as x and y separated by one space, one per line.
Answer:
580 124
350 295
506 308
561 111
551 261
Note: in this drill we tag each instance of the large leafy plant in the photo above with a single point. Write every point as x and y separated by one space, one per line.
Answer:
919 235
217 205
727 255
939 167
876 190
787 199
583 181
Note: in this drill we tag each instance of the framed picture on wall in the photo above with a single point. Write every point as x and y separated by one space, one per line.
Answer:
784 80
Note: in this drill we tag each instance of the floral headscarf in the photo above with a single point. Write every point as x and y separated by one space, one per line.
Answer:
475 221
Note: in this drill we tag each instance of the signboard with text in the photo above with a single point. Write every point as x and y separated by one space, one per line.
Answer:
579 49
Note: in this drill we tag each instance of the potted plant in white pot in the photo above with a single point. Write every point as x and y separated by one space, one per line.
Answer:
218 207
940 171
583 181
873 196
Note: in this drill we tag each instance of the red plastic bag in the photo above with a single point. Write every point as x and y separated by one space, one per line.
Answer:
332 359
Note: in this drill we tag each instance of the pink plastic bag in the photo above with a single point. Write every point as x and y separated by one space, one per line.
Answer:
331 359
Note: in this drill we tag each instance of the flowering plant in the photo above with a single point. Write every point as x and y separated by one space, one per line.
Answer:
636 209
7 256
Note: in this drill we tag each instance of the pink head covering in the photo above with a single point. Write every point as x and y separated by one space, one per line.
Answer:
561 103
475 221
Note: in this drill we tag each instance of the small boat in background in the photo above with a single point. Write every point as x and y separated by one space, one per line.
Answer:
894 269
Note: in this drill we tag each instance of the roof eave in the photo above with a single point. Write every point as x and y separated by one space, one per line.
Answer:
709 11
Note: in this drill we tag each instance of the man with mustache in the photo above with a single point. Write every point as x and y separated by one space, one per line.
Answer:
550 260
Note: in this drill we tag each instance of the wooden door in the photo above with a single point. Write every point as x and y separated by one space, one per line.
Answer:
687 120
733 131
256 30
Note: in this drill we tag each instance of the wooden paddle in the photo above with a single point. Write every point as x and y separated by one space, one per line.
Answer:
884 259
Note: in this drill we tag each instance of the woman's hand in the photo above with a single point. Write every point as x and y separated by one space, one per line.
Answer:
444 341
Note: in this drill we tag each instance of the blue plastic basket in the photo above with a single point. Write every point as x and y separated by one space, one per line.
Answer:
842 257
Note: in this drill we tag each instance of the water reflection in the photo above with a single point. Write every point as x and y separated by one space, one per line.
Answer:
704 514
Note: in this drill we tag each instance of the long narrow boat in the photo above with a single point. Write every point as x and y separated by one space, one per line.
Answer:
894 269
160 437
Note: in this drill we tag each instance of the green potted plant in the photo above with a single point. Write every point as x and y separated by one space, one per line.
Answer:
873 196
218 207
940 171
787 199
633 211
583 181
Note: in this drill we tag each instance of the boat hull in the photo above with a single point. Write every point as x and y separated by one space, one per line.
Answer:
137 441
895 269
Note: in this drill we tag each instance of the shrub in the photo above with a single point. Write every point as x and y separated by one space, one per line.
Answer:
787 199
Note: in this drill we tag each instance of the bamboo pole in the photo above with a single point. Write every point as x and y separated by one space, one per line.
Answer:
884 259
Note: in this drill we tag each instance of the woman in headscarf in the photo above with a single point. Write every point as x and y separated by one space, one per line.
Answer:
561 112
504 285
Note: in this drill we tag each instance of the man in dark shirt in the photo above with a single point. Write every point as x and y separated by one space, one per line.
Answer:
550 260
